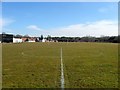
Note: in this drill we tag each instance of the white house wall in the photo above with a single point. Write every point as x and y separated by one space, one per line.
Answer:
17 40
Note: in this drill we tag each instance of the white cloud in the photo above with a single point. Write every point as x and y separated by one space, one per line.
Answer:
5 21
98 28
33 27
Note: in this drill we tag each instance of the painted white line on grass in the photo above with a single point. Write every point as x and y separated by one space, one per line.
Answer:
62 71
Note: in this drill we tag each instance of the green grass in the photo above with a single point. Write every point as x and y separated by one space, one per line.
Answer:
0 66
91 65
37 65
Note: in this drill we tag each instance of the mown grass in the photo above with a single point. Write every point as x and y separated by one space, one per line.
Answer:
34 65
37 65
0 66
91 65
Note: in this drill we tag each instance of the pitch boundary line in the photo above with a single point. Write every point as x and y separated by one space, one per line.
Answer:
62 71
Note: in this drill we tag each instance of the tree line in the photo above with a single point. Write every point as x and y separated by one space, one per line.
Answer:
112 39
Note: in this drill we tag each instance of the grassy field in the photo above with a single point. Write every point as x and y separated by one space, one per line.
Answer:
37 65
0 66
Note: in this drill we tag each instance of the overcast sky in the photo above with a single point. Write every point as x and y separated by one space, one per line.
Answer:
60 18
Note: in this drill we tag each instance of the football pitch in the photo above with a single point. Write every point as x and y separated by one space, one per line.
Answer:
38 65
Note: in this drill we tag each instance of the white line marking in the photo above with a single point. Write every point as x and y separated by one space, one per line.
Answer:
62 72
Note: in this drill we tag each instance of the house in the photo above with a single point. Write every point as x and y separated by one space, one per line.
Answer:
6 38
24 39
37 39
17 40
31 39
44 40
